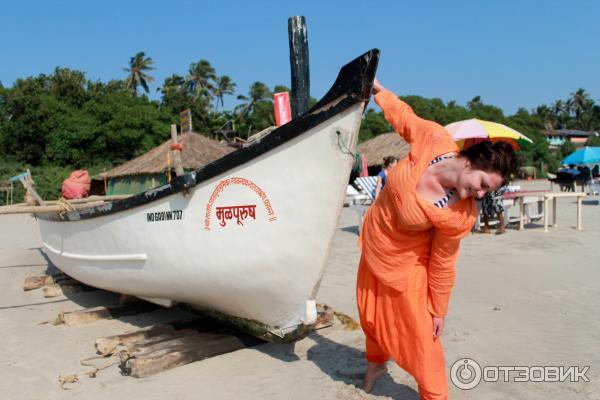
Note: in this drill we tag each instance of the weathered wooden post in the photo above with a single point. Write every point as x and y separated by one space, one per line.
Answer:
299 65
176 150
32 197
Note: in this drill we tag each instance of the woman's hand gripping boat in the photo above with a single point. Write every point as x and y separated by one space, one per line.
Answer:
244 239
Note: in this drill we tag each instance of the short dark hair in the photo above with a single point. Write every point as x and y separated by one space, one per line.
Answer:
387 161
498 157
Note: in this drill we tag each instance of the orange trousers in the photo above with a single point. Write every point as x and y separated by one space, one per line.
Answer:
398 325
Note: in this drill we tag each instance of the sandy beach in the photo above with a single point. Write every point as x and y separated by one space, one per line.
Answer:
526 298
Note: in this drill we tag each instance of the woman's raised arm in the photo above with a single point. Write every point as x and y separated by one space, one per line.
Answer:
401 116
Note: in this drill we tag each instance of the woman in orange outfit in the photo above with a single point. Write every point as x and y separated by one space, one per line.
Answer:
410 240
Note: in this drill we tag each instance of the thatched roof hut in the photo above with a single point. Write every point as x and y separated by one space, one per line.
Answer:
197 151
386 144
151 169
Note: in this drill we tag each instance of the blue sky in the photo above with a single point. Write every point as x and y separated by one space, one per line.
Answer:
511 53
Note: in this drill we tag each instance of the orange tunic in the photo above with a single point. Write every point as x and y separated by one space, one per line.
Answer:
409 250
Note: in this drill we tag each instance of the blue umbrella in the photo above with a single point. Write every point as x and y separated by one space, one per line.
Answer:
587 155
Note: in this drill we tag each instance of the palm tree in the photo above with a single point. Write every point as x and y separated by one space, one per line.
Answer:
583 107
198 80
223 85
581 100
138 66
561 112
258 92
474 103
172 83
557 107
545 114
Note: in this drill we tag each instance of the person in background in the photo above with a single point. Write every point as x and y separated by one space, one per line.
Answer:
570 175
388 162
571 170
492 206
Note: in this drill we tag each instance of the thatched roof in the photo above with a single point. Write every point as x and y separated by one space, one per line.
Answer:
197 151
386 144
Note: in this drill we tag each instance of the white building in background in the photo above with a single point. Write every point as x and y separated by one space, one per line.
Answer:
557 138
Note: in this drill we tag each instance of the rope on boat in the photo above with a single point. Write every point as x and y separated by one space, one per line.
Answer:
64 206
342 145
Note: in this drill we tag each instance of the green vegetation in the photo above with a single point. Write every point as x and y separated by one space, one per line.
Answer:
56 123
577 112
138 66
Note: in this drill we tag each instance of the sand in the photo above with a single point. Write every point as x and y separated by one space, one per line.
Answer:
526 298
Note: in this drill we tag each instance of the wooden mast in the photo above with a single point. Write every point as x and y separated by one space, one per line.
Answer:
299 65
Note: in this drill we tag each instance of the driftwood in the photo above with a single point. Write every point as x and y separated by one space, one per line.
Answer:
81 317
168 351
36 282
51 284
53 291
162 347
66 285
39 281
107 345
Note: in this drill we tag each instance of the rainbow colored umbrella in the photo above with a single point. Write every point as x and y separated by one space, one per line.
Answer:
471 131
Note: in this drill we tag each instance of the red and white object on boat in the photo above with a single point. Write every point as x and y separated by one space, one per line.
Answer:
77 185
283 111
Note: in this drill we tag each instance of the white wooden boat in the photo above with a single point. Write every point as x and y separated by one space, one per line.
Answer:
246 237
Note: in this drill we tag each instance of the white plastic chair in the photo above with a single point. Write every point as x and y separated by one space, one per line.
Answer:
367 184
353 197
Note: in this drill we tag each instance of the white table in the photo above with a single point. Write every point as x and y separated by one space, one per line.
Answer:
523 198
554 196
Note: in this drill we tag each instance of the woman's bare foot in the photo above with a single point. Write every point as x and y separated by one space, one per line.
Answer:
374 372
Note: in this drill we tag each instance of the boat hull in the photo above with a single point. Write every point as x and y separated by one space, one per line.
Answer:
246 238
194 249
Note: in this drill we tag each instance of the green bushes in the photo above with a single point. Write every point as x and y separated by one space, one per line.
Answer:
48 179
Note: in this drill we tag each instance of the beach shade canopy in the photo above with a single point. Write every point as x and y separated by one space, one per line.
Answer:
586 155
471 131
